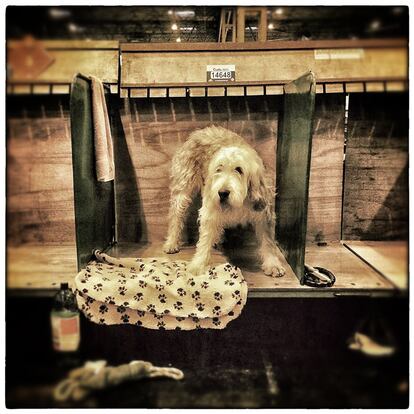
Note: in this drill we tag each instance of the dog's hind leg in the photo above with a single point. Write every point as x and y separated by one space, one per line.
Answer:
179 204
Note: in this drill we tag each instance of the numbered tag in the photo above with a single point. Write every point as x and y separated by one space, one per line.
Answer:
221 73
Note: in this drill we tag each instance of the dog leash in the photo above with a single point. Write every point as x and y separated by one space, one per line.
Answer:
317 277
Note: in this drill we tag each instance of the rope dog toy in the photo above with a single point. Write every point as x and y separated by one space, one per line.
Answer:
95 375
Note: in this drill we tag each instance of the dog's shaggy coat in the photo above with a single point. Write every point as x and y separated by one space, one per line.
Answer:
231 177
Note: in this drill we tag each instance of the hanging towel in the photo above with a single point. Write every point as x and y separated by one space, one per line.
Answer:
104 153
158 293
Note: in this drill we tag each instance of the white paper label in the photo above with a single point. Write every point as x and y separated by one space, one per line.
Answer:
221 73
338 54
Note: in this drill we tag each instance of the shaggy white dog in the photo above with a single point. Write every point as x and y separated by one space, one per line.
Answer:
231 177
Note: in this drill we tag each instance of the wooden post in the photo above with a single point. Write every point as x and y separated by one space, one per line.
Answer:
262 37
240 24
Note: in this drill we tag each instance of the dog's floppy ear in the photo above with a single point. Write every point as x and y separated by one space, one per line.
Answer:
258 190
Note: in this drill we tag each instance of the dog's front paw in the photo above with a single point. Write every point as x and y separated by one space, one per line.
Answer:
272 267
171 248
196 267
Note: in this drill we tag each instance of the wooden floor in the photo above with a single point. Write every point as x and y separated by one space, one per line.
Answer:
353 276
390 258
35 268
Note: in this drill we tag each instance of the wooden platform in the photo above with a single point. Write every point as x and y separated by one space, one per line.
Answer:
353 276
39 270
390 258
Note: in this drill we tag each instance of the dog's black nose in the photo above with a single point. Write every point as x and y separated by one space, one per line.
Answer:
224 195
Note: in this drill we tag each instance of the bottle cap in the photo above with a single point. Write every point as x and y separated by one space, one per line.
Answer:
64 286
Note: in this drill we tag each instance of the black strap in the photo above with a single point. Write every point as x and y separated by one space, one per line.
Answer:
311 278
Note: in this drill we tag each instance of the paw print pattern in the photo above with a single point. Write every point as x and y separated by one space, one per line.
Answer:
196 295
236 294
169 282
103 309
110 300
217 310
212 275
162 298
181 292
229 282
142 284
151 308
125 318
122 290
200 306
161 325
101 321
122 281
140 313
191 282
89 300
204 285
159 287
216 321
121 309
138 296
178 305
234 275
218 296
227 267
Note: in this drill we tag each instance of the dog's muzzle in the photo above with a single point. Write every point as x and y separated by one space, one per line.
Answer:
224 196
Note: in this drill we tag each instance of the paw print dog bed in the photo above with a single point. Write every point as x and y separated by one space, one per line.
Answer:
158 293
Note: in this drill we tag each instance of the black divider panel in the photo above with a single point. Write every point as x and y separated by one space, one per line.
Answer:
94 200
293 168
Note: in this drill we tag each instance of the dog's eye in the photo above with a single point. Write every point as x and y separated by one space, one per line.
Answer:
239 170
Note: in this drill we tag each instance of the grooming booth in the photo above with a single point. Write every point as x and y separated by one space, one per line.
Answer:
322 205
328 118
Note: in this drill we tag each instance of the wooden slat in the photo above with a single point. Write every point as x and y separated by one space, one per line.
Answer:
389 258
350 272
197 92
39 172
376 168
270 45
274 90
215 91
325 181
169 68
158 93
72 44
40 267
